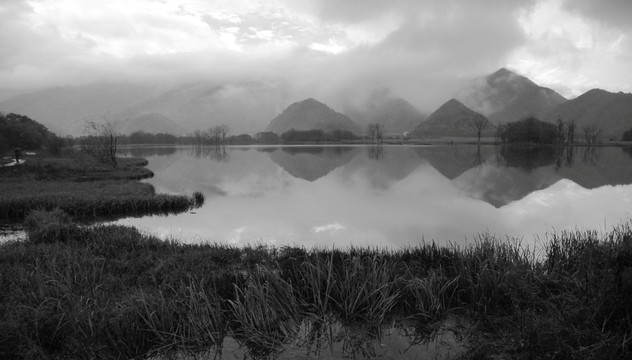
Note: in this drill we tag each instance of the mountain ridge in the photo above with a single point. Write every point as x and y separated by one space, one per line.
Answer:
311 114
452 118
505 96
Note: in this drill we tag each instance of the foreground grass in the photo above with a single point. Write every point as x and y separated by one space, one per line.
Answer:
83 187
110 292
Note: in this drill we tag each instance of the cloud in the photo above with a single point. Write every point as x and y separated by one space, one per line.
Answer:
422 50
608 12
572 52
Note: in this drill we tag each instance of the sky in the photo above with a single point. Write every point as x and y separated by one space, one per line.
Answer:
424 48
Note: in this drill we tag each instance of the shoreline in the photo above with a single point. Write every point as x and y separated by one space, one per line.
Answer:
114 292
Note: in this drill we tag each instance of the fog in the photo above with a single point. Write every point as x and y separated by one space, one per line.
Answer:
334 51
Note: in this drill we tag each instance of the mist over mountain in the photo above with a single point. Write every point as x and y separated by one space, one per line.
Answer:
311 114
451 119
395 114
248 106
245 107
151 123
65 110
610 112
505 96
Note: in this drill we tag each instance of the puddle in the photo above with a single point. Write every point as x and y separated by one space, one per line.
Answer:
404 340
11 232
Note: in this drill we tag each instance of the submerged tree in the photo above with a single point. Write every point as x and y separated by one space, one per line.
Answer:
592 134
571 125
375 132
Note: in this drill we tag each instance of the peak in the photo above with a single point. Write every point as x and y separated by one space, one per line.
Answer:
310 100
453 102
596 91
309 103
503 71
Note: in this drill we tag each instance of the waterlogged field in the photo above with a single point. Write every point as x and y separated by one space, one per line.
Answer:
388 196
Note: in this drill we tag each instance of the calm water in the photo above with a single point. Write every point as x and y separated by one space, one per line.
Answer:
390 196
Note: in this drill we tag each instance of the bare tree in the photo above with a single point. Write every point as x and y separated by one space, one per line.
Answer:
102 138
223 130
561 127
571 125
592 134
480 122
375 132
500 132
370 132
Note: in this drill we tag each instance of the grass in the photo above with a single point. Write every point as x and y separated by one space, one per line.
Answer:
84 188
110 292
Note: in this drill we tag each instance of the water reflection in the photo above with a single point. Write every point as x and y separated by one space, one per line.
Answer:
388 195
311 163
332 339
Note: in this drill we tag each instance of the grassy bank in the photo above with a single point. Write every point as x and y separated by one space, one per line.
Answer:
110 292
83 187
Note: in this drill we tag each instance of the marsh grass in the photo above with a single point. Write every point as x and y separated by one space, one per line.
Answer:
110 292
85 188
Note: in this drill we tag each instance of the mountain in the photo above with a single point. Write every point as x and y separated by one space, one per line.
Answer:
394 113
451 119
505 96
311 114
65 110
150 123
245 107
611 112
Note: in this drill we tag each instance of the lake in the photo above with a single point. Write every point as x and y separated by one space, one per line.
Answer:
388 196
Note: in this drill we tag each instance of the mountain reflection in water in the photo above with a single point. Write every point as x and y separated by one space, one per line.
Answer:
387 195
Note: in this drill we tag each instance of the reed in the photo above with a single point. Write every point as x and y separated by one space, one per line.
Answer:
265 313
110 292
86 189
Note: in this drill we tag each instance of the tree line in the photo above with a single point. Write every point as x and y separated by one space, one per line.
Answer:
533 130
23 133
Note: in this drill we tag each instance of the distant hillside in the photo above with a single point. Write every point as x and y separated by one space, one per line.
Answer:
311 114
150 123
245 107
66 109
451 119
505 96
611 112
394 113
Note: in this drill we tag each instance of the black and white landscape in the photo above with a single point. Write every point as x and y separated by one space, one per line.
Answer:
315 179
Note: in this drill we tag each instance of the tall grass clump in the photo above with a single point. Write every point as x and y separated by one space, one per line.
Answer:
111 292
265 313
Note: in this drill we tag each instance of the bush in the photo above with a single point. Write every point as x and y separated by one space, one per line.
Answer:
49 226
530 130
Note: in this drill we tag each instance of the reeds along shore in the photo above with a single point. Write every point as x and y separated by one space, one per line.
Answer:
110 292
85 189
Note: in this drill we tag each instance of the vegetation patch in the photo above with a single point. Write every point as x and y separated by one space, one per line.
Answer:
85 188
72 291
